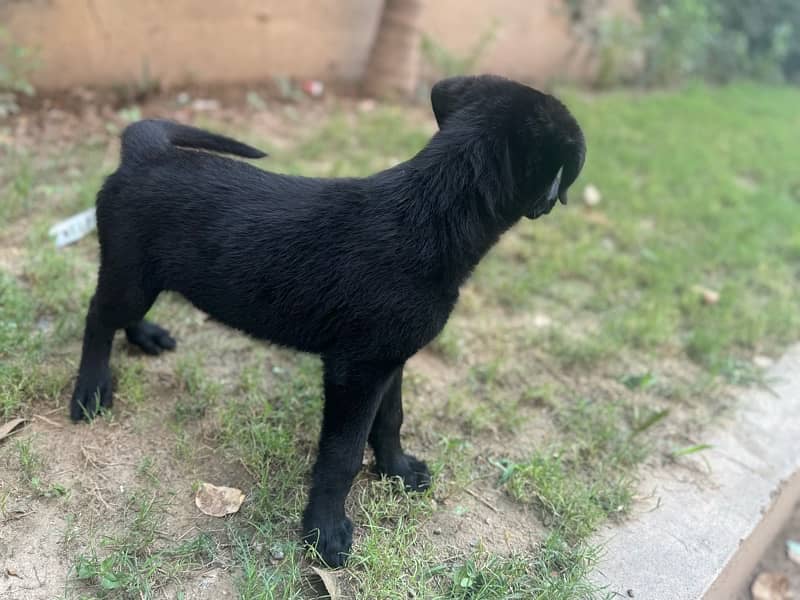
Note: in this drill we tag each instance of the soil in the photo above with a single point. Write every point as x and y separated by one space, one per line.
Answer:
99 465
776 560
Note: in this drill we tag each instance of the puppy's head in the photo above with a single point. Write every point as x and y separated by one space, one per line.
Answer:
543 143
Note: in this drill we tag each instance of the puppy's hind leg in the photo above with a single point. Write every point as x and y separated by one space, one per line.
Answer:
384 437
112 307
149 337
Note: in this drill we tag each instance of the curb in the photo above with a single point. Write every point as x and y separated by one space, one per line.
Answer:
707 534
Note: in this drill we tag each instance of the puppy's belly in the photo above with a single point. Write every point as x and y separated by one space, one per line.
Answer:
295 326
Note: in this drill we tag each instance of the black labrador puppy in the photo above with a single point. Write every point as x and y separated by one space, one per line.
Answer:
363 272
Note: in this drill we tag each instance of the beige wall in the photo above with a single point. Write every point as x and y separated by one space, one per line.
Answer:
104 42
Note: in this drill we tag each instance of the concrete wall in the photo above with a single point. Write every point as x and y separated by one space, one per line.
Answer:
105 42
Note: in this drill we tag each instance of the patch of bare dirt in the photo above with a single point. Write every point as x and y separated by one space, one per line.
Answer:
483 517
98 467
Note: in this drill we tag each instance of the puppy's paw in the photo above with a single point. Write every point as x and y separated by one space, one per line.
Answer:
150 338
91 394
415 473
332 539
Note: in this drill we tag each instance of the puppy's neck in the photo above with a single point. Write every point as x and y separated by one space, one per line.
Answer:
462 190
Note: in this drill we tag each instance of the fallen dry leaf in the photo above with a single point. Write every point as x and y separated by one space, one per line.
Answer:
8 428
218 501
770 586
329 581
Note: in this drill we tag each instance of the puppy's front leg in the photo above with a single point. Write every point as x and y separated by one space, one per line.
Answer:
390 459
352 394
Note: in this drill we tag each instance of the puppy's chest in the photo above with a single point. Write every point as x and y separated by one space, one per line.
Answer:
421 321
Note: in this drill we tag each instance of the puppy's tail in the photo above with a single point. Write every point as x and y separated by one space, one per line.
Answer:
151 137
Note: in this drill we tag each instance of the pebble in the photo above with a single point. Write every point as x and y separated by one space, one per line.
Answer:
541 320
205 105
770 586
276 552
763 362
591 195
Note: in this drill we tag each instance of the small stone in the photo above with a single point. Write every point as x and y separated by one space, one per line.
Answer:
707 295
591 195
276 553
770 586
762 362
541 320
437 531
205 105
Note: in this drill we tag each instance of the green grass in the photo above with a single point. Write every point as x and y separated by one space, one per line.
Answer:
136 562
17 179
199 391
554 571
675 215
699 190
584 477
32 471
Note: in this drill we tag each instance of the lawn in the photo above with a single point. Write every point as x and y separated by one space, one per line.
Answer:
588 346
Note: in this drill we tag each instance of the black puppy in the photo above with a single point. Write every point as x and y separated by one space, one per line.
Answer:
363 272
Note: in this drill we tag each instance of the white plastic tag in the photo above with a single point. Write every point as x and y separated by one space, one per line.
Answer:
72 229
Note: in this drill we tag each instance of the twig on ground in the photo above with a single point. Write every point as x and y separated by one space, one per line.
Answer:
99 496
481 499
17 515
48 421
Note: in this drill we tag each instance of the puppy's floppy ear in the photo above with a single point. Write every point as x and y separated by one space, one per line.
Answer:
552 193
448 95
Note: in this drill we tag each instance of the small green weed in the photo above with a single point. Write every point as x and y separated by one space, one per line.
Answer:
134 562
687 450
586 476
32 468
554 571
200 392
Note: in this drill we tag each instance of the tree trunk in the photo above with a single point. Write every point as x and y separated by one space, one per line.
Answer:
393 65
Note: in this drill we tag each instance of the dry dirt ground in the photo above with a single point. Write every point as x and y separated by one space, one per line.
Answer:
136 452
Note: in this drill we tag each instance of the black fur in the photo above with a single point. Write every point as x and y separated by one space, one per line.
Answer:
363 272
